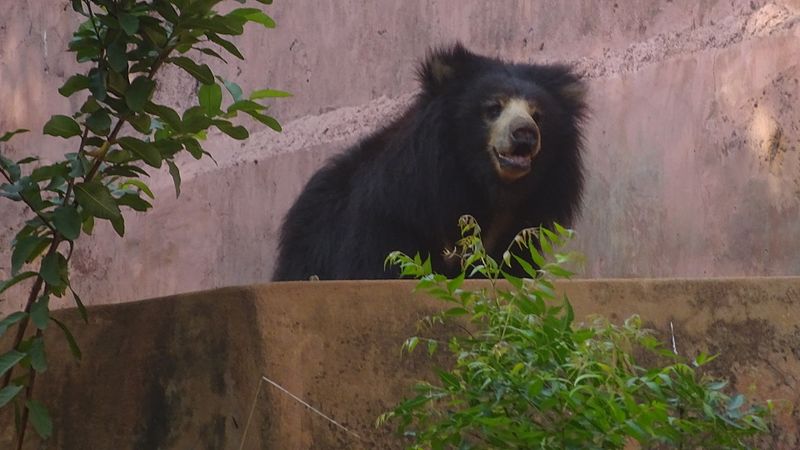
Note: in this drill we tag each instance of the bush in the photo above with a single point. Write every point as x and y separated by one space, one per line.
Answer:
527 376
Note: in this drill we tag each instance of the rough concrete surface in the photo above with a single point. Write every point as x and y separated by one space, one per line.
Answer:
182 372
692 147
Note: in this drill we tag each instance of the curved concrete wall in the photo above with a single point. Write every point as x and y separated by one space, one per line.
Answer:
182 372
692 155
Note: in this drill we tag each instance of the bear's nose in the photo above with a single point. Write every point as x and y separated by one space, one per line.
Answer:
527 135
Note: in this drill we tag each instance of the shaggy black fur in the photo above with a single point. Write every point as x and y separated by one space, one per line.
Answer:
405 186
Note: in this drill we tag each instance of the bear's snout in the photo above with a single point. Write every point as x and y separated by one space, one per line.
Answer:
525 138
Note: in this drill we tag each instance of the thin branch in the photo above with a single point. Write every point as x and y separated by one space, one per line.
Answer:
96 31
28 396
57 237
23 324
162 57
81 150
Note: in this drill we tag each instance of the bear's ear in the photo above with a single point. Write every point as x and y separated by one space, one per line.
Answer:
574 90
561 81
444 65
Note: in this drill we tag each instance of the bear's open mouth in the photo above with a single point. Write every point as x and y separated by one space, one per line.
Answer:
515 163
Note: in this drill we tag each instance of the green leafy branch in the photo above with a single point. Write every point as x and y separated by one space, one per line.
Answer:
526 376
127 43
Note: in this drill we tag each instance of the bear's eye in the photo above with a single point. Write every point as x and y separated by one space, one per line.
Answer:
493 110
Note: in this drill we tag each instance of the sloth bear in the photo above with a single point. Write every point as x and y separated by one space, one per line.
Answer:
496 140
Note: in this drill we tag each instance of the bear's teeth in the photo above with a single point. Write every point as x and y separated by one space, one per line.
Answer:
516 160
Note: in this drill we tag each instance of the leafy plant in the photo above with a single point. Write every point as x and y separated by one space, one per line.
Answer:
124 133
526 376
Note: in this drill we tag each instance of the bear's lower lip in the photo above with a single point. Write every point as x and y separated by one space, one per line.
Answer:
513 163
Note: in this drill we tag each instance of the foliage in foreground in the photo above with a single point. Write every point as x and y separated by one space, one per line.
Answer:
124 133
528 377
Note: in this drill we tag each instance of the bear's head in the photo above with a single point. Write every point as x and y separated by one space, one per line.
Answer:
517 119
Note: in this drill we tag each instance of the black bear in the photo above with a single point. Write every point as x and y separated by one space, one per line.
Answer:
496 140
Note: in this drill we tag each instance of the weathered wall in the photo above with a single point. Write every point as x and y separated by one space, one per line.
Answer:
692 149
182 372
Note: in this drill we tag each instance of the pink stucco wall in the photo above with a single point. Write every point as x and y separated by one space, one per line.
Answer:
693 151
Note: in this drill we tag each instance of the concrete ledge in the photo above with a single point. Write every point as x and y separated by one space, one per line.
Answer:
182 372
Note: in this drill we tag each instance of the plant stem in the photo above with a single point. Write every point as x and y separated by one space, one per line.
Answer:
28 396
71 182
35 289
113 136
58 238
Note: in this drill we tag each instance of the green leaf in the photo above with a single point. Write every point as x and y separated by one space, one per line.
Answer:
245 105
432 346
268 93
80 305
450 381
40 419
117 83
25 250
11 319
74 84
48 172
134 202
97 200
253 15
53 270
8 393
119 226
234 131
266 120
97 84
227 45
73 344
88 225
458 311
79 165
176 177
145 150
67 221
117 58
411 343
139 93
193 147
210 96
141 123
736 402
168 115
4 285
38 358
7 135
129 23
139 184
210 52
90 105
230 25
201 72
195 120
62 126
9 359
233 89
529 270
717 385
99 122
166 11
168 147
